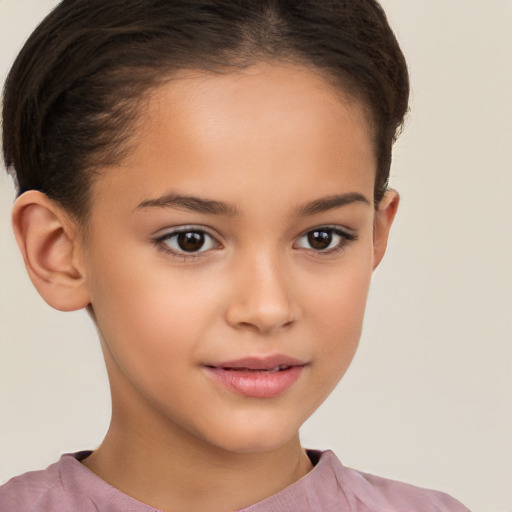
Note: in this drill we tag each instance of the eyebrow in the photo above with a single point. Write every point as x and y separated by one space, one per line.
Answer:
329 203
192 203
213 207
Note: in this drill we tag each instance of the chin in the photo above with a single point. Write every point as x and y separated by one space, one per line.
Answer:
255 437
247 446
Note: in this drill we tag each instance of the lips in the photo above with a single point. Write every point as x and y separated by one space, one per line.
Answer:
278 368
265 377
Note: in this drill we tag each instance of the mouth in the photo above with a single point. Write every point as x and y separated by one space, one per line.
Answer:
278 368
271 363
266 377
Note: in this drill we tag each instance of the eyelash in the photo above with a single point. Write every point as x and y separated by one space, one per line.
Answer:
162 245
345 239
161 242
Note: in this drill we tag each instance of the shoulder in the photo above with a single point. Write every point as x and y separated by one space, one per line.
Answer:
366 492
34 491
409 497
50 490
65 486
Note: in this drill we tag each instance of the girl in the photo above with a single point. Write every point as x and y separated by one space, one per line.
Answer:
209 179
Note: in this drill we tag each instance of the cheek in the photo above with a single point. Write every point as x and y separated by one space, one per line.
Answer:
150 315
131 313
149 342
338 307
140 310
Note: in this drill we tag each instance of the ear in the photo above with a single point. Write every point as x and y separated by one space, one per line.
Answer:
47 239
384 216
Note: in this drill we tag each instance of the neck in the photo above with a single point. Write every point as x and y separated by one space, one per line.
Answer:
154 460
173 474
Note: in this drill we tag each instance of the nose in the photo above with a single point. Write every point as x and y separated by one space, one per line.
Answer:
262 297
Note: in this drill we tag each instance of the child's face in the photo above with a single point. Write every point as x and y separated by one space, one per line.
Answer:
271 174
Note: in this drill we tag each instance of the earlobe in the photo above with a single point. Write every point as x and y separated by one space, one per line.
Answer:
384 216
47 241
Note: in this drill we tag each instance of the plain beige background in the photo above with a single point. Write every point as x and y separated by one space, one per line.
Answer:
428 398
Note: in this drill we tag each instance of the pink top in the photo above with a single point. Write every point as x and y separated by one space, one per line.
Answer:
68 486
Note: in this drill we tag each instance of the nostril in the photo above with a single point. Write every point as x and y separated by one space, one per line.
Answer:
265 327
262 300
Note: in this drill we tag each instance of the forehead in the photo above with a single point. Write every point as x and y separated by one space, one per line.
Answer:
258 129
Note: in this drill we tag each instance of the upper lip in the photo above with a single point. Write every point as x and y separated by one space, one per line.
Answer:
260 363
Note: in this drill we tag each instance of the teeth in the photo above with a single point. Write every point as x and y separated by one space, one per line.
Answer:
279 368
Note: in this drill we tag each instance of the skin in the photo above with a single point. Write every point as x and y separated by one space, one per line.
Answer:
266 141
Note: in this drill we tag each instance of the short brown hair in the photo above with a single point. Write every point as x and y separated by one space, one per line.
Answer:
72 95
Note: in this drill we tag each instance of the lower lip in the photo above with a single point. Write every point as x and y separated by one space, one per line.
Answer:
256 384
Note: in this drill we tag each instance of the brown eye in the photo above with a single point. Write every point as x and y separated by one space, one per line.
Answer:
187 241
191 241
325 239
320 240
